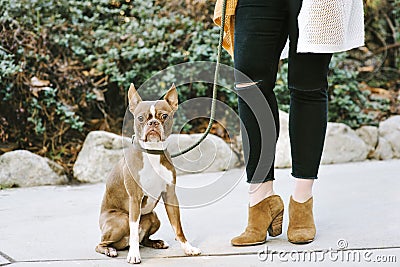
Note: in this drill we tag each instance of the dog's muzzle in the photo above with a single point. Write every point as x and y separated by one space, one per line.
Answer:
153 131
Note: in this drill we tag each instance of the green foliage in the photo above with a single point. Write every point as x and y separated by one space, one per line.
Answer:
2 187
382 29
83 46
281 88
8 68
90 51
346 101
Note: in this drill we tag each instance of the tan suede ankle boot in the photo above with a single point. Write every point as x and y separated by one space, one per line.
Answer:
265 216
301 228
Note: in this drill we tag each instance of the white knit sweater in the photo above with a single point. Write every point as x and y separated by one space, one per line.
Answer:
328 26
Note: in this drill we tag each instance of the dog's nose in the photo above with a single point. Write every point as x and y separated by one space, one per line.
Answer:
153 123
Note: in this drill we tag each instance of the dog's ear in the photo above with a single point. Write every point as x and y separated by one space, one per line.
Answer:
172 97
133 98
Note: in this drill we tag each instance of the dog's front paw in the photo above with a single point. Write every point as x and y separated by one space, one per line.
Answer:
192 251
189 250
133 258
112 252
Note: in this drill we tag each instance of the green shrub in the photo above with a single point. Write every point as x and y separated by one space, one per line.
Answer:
90 51
281 87
347 102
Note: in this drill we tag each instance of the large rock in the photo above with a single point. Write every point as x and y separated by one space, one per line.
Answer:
369 134
390 130
102 150
383 151
212 155
283 157
342 144
23 168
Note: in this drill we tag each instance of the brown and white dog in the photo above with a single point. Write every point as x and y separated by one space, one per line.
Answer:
139 180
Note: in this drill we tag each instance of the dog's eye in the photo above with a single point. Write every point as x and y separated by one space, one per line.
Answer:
140 118
164 116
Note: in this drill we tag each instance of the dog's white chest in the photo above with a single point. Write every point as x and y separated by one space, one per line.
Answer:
154 177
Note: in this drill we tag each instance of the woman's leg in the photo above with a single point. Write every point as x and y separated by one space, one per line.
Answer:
260 35
308 109
308 112
307 127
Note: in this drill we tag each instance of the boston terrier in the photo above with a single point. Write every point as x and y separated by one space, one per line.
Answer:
139 180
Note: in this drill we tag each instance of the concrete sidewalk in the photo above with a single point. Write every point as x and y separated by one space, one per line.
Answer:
356 208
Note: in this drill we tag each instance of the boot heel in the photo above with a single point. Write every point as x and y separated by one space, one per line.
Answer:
275 228
262 218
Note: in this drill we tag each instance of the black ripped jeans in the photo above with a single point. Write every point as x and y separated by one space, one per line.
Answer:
261 30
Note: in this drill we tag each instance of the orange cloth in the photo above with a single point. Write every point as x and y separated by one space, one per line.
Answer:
227 42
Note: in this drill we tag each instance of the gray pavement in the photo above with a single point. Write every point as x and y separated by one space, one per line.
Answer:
356 207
